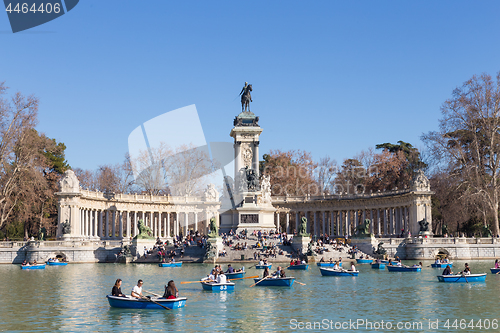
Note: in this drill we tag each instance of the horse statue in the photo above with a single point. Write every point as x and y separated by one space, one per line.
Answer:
363 230
246 97
144 231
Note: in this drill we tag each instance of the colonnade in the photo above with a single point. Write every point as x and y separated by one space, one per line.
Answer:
385 222
118 224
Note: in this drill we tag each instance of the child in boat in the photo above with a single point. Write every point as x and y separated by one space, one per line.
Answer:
466 270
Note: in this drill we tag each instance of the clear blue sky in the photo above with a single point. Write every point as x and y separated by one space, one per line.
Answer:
329 77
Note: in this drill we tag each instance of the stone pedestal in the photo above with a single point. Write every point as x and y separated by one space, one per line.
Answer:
138 245
300 243
217 246
365 244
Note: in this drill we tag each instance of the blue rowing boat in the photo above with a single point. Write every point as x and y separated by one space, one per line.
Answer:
134 303
364 261
337 272
462 278
384 261
56 263
301 267
264 266
392 268
328 264
212 286
38 266
275 282
235 275
170 264
494 270
378 265
442 265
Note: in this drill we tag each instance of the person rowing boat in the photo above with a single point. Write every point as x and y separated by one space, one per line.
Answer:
137 290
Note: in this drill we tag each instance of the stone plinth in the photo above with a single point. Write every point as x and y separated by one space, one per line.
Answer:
300 243
217 246
365 244
138 245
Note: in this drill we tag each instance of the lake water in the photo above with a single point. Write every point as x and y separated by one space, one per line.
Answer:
72 298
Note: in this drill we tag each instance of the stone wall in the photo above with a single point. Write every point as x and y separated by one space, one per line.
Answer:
75 252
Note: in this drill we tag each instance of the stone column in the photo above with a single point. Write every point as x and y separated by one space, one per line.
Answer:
82 224
287 223
135 224
391 221
340 223
186 223
297 221
87 223
324 223
106 229
237 158
278 221
120 224
113 226
255 162
379 232
348 229
99 231
356 221
195 221
168 225
306 214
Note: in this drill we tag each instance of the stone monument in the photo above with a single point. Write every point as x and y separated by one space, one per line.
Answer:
144 239
302 240
246 203
68 215
214 243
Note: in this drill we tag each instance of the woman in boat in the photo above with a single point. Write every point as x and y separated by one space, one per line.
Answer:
266 272
117 289
390 262
24 263
322 259
353 268
336 266
171 291
291 262
447 270
497 265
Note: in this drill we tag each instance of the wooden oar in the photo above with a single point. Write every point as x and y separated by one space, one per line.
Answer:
465 277
150 300
259 281
248 277
300 283
152 293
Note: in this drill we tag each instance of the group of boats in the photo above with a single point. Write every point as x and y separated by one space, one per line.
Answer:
49 262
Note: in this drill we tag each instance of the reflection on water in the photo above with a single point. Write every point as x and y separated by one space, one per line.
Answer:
72 298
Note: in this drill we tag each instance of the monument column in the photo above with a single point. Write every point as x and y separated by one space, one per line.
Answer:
113 226
120 224
278 221
107 224
255 163
287 223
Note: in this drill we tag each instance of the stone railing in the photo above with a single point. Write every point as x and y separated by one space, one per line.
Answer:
452 240
62 243
164 199
339 196
11 244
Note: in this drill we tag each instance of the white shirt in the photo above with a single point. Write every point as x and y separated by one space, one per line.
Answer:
261 263
353 268
336 267
137 290
221 279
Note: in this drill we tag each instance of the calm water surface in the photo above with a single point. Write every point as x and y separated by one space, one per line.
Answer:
72 298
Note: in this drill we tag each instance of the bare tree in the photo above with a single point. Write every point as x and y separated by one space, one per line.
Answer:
17 117
468 140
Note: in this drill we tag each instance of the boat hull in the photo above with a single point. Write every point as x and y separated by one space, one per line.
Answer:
494 270
30 267
301 267
237 275
170 264
441 265
280 282
264 266
327 264
50 263
378 266
132 303
229 286
403 269
462 278
364 261
333 272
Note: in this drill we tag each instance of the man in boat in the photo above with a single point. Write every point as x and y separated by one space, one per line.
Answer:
437 261
137 290
277 274
466 270
353 268
322 259
447 270
230 269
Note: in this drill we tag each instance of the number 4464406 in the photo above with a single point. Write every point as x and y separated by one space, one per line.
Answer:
42 8
472 324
